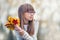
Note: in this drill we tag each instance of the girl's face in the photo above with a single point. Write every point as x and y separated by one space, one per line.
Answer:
28 16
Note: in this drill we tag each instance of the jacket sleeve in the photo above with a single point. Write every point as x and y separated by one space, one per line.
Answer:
34 37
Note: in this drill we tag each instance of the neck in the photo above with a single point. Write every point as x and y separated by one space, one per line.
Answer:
26 21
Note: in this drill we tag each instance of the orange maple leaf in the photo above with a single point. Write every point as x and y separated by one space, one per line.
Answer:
11 22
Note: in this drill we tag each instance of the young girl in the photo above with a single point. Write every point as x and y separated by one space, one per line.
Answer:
27 29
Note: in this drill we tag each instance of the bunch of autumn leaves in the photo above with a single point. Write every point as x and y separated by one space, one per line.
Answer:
11 22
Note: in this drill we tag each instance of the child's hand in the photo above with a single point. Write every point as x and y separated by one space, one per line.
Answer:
21 31
17 28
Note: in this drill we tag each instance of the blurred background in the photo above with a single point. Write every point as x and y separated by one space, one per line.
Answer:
47 14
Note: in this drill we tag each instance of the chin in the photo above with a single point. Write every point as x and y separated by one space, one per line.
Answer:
30 19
